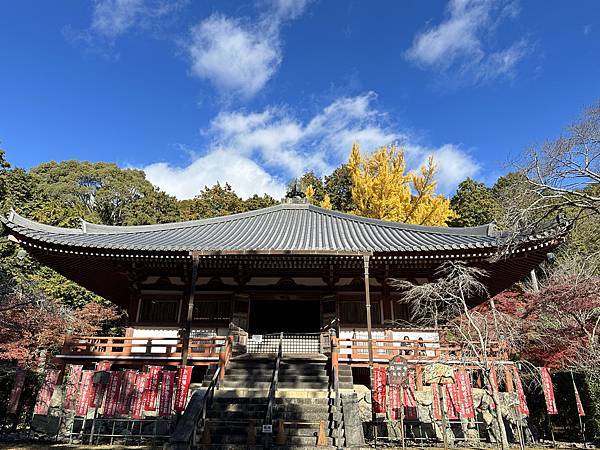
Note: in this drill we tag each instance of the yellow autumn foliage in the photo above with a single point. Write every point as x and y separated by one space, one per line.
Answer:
309 193
382 189
326 202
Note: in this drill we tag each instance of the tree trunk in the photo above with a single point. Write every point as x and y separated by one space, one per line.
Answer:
500 420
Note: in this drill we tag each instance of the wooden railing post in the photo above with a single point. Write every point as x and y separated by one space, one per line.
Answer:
67 342
222 359
186 333
335 352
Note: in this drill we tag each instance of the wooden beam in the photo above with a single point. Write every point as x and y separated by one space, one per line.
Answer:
369 331
185 344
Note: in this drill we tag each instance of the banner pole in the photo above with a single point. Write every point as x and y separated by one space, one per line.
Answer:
402 416
581 426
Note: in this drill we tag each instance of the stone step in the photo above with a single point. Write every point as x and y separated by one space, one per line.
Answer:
241 400
282 376
250 407
306 441
306 416
266 385
235 415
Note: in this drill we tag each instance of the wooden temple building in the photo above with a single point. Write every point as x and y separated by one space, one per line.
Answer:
279 310
293 268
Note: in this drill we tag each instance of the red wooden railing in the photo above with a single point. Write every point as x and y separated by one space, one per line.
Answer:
152 347
357 350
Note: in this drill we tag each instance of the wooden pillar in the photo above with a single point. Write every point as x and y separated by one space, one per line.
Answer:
369 331
185 341
368 307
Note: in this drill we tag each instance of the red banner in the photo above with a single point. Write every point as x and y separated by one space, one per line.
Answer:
578 400
42 404
126 392
85 391
378 388
98 390
166 393
184 376
15 393
548 391
112 393
72 386
523 408
451 391
465 395
138 395
410 401
493 385
152 388
437 411
395 403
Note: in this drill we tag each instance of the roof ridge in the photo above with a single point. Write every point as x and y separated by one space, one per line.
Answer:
101 229
481 230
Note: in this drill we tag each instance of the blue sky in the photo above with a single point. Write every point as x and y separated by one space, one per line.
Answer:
255 93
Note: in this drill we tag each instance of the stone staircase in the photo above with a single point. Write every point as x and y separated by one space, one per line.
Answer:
302 405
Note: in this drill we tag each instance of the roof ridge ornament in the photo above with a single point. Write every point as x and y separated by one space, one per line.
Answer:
83 226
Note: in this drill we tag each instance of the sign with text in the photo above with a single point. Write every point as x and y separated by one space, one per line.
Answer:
166 393
138 395
15 393
378 388
112 393
126 392
42 404
72 386
184 377
84 392
410 400
465 395
152 388
523 408
548 391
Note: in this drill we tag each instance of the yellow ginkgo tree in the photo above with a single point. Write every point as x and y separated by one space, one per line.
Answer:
383 189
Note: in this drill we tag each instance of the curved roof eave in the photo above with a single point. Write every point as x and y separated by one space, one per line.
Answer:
269 230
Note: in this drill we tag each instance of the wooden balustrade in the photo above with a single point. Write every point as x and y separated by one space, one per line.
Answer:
219 348
356 350
110 347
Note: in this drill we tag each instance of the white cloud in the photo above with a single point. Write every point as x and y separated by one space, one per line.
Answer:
113 18
259 152
235 57
220 165
453 165
459 42
238 57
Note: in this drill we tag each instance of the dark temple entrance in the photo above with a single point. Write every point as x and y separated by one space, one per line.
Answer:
290 316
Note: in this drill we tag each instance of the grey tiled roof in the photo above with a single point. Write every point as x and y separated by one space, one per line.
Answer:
284 228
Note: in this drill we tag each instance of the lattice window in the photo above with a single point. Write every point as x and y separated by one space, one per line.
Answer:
212 310
354 312
159 311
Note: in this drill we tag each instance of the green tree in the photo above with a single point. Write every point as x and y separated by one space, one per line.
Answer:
212 202
339 187
474 204
258 202
103 192
306 180
4 165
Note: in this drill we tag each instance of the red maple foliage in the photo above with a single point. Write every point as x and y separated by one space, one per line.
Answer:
32 326
556 326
